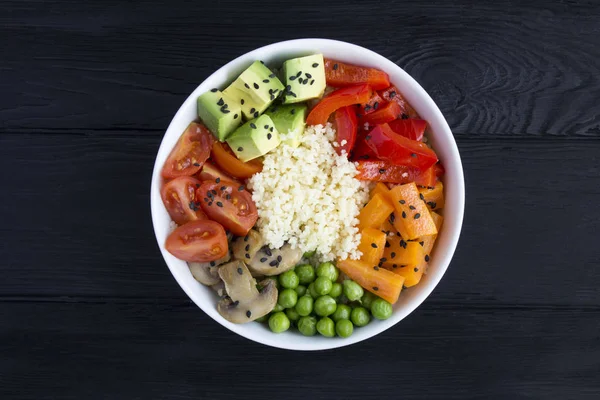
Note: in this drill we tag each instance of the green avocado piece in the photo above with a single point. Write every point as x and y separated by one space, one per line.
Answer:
255 89
304 78
255 138
289 120
219 112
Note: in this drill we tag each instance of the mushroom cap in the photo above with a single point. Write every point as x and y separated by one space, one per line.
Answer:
244 302
269 262
245 248
207 273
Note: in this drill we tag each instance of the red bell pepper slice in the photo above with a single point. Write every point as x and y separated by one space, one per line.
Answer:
409 128
339 74
389 146
393 94
387 113
361 151
346 124
372 105
383 171
338 99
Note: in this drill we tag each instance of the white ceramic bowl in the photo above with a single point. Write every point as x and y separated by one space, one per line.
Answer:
439 133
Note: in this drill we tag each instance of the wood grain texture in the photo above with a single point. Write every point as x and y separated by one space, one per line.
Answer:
495 68
117 351
82 222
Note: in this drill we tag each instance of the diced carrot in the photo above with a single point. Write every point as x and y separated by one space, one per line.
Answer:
378 281
413 218
399 252
380 188
375 212
387 226
372 245
412 274
434 198
429 241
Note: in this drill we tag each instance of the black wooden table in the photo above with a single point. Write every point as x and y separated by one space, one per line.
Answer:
88 308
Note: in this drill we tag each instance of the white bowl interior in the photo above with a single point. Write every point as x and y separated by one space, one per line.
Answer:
439 133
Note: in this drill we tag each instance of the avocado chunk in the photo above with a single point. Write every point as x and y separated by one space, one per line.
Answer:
255 89
219 112
289 120
304 78
255 138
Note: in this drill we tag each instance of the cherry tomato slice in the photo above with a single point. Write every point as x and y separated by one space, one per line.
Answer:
179 197
230 164
198 241
190 152
232 206
210 172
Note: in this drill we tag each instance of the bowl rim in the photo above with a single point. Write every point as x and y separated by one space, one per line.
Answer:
386 65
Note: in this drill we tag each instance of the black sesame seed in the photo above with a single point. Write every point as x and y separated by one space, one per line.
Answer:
373 245
265 80
422 244
375 105
417 216
214 90
256 85
298 74
432 204
225 111
392 94
252 110
402 266
404 116
335 67
315 65
218 180
242 101
219 204
263 259
269 136
247 255
392 218
206 200
268 251
403 214
237 302
240 148
383 259
212 263
256 114
272 76
266 126
248 314
273 263
271 97
247 248
412 207
271 129
426 257
252 125
279 258
367 107
228 197
241 188
416 269
387 244
394 265
240 271
308 75
220 102
368 137
197 185
292 94
413 155
210 204
288 88
196 164
247 87
375 288
304 82
293 111
381 170
403 243
213 191
376 268
421 196
292 78
311 82
393 255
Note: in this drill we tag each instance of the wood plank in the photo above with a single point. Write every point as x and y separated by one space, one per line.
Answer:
156 351
494 67
76 222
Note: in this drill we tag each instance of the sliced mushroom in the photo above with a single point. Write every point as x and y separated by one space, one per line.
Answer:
245 248
244 302
219 288
207 273
269 262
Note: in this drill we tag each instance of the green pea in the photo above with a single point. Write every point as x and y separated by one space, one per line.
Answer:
307 326
289 280
325 305
344 328
336 290
278 307
323 285
367 299
352 290
325 326
292 314
311 290
341 312
264 318
328 270
360 316
304 306
309 254
381 309
306 273
287 298
301 290
279 322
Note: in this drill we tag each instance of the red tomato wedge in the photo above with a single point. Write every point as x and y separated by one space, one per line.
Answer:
383 171
346 125
190 152
179 197
339 74
372 105
413 129
198 241
336 100
210 172
398 150
230 205
393 94
228 162
384 114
